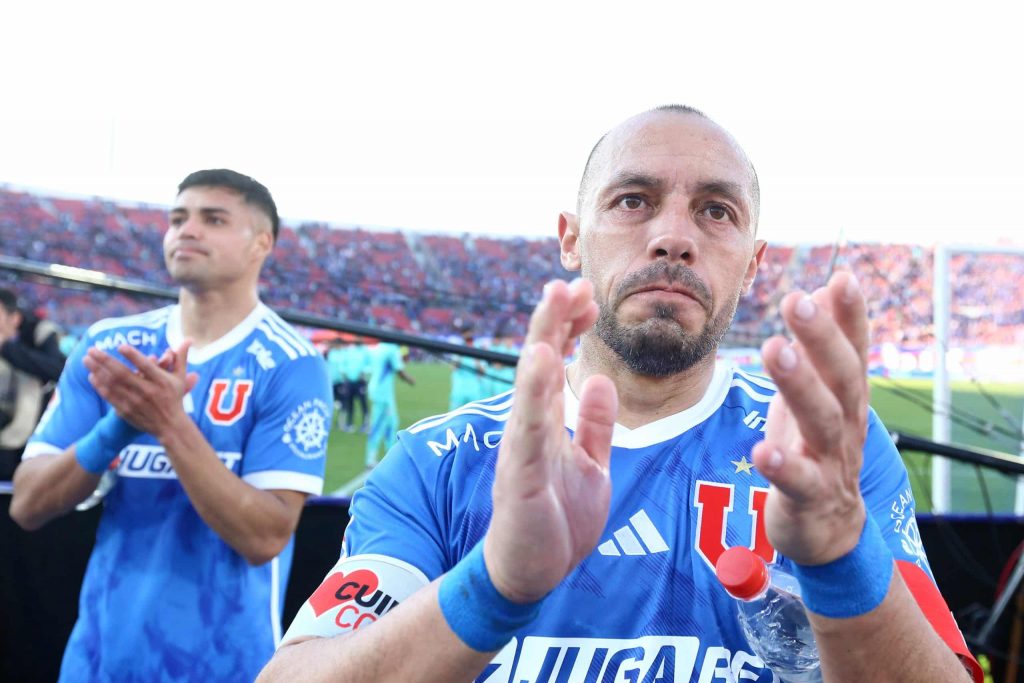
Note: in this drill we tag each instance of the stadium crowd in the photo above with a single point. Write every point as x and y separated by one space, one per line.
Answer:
437 285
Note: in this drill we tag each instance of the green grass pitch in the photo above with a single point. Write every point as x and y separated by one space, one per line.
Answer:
899 403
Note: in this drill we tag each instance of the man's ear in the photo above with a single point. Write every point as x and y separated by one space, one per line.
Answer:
266 241
262 245
263 231
263 234
748 279
569 240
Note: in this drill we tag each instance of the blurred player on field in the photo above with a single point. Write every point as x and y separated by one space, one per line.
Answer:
387 361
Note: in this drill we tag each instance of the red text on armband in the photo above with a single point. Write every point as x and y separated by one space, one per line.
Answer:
363 602
348 612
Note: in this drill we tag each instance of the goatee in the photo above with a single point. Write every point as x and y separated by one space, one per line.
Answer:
659 346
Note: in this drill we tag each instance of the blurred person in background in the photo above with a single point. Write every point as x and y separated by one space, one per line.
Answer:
387 361
355 361
501 377
335 366
214 413
467 377
30 364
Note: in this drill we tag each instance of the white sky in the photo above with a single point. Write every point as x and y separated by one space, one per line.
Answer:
891 121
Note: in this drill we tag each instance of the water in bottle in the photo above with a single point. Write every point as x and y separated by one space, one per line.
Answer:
771 615
106 482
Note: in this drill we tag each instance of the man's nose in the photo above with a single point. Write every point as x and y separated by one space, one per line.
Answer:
673 236
189 227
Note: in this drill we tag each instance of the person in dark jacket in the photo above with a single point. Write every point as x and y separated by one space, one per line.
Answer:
30 364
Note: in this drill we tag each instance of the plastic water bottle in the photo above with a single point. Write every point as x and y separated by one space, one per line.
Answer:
106 482
771 615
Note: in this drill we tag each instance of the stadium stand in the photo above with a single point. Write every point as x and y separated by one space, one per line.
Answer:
434 284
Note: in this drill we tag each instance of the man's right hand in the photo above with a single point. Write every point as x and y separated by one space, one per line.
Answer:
551 493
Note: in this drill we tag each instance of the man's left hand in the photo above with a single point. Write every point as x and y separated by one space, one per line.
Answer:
150 397
817 424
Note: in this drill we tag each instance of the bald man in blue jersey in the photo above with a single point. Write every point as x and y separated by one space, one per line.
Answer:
213 415
568 531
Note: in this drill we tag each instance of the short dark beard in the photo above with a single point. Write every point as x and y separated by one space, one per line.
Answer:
659 346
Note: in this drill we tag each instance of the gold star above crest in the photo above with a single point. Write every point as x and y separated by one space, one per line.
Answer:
742 465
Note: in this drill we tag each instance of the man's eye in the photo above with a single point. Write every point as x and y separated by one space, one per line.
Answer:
717 212
631 202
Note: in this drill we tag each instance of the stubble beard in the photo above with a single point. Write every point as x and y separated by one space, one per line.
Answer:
188 275
660 346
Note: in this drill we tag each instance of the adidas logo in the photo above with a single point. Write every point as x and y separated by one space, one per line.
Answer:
755 421
629 537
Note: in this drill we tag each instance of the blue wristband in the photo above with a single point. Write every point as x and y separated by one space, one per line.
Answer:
97 449
854 584
479 615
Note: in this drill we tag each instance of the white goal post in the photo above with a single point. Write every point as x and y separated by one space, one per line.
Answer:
941 394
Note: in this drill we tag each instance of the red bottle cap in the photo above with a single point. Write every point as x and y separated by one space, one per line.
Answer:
741 572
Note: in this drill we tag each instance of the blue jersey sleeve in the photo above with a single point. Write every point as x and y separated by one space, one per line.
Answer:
287 447
73 411
396 514
885 486
890 500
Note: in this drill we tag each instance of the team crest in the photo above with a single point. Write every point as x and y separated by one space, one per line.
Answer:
306 431
228 400
715 502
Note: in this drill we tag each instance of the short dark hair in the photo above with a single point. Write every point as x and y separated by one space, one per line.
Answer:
253 192
9 300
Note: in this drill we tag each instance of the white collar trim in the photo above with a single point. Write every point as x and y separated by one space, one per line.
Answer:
233 337
669 426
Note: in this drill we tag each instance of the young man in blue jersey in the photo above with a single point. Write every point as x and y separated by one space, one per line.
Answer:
214 415
570 532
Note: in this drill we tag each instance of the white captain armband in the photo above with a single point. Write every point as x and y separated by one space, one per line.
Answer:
356 592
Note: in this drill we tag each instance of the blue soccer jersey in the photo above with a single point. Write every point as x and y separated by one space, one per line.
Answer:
164 598
645 605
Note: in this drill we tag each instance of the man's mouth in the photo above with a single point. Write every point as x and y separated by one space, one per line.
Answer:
667 291
187 251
